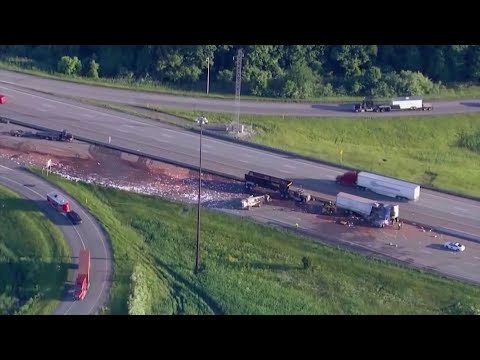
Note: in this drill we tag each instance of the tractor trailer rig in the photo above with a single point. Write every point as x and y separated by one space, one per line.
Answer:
63 135
82 282
377 214
396 104
382 185
283 186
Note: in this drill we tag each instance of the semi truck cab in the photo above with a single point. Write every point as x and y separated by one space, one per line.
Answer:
347 179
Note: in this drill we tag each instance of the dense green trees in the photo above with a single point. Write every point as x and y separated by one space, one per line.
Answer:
291 71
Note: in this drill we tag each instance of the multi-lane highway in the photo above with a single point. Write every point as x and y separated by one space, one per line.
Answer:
434 208
8 78
86 235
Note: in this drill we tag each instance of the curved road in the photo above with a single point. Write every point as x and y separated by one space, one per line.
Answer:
8 78
150 137
86 235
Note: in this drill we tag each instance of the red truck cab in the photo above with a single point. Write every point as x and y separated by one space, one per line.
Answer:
3 99
82 282
347 179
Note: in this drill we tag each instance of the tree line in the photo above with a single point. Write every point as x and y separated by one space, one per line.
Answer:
289 71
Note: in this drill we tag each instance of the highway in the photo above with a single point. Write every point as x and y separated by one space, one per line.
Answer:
8 78
433 208
86 235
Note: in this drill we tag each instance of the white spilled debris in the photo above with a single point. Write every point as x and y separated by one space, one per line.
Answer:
185 191
215 193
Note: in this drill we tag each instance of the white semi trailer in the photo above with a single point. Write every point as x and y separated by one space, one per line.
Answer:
386 186
378 214
396 104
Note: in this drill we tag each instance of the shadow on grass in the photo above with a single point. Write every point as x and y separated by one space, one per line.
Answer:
24 279
270 267
25 205
180 279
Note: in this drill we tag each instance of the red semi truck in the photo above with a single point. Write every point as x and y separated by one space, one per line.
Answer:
83 277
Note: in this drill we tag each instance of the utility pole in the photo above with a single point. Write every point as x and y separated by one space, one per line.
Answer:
200 121
238 86
208 75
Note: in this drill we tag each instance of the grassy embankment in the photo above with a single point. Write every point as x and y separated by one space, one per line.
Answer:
438 151
33 269
28 66
247 268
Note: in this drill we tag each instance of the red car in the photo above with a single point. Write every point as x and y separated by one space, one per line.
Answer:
3 99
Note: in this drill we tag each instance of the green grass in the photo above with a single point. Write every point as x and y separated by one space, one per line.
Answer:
27 66
438 151
33 269
247 268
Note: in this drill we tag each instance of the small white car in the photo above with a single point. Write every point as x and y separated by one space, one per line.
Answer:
454 246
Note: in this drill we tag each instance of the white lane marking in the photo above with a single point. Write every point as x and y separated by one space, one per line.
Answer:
225 143
243 161
42 110
74 227
444 198
234 146
41 196
290 166
86 115
476 258
166 135
284 171
48 106
460 209
469 263
426 252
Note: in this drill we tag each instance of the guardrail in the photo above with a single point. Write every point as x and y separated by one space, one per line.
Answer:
126 150
206 132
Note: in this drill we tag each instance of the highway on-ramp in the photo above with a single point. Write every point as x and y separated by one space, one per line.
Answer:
86 235
137 98
150 137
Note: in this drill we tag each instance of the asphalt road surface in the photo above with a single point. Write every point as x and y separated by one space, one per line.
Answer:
86 235
8 78
433 208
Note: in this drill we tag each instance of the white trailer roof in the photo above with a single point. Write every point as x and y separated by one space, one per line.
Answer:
59 199
407 98
397 182
355 198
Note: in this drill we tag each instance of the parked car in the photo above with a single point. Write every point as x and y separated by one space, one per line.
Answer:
454 246
74 217
3 99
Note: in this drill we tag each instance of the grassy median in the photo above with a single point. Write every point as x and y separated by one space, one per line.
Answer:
247 268
438 151
33 253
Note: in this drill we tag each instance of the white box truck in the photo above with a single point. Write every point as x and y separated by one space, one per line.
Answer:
386 186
